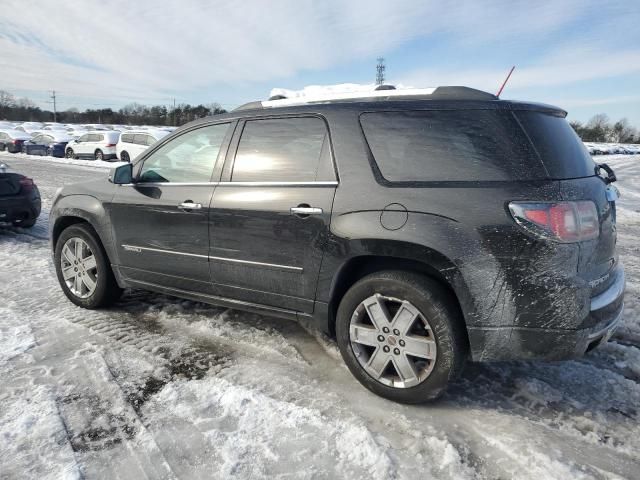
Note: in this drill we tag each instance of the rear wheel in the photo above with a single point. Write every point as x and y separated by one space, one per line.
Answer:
48 152
83 269
124 157
3 147
69 153
401 335
98 155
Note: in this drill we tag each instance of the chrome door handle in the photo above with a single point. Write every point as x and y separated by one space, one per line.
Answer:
306 211
190 206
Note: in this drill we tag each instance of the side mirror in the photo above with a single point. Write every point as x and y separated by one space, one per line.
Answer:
121 175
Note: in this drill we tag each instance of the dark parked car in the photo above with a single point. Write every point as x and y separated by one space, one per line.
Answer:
50 143
12 140
418 229
19 198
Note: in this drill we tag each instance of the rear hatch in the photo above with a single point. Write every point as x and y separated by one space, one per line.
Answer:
565 158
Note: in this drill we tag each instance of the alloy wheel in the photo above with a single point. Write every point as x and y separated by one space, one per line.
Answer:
392 341
79 268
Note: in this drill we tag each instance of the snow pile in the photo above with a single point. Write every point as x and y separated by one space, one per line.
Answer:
66 161
15 337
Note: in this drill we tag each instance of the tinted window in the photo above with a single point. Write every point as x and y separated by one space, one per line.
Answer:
187 158
138 139
127 138
283 150
561 150
450 145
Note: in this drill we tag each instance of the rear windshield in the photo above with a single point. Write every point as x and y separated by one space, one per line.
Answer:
450 145
561 150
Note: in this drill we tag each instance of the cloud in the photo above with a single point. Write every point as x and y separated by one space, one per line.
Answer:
151 50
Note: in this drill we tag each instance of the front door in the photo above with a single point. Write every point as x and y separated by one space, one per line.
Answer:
160 222
270 217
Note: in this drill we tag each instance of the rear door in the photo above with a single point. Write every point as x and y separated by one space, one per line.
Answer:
160 222
270 216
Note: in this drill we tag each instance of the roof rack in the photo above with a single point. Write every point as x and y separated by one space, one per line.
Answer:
381 92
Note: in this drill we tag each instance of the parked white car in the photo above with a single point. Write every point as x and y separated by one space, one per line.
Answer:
97 145
133 143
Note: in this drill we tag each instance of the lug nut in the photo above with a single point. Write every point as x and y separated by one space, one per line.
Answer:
386 349
396 351
401 342
380 338
396 331
385 329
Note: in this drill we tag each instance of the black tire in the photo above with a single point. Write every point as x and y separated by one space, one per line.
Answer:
98 155
25 223
69 153
107 290
436 304
48 152
124 157
3 147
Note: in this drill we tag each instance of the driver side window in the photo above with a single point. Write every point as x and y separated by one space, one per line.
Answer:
189 158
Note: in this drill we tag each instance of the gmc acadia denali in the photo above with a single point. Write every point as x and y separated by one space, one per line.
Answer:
419 228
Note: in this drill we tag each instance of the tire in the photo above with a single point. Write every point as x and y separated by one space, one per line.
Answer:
69 153
105 291
98 155
25 223
48 152
3 147
124 157
436 331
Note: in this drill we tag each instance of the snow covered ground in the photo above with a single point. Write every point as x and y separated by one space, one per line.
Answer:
158 387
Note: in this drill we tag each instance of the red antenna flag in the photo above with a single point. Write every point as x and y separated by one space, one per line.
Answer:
505 81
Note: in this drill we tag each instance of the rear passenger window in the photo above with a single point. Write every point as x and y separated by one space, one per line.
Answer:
283 150
450 145
138 139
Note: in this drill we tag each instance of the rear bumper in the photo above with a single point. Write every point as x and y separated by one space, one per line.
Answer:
513 343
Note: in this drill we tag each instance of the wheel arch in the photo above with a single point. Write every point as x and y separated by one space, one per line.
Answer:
400 256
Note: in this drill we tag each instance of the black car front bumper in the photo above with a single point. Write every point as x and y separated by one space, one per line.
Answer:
20 208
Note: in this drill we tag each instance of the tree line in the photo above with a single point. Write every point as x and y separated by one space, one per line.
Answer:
600 129
23 109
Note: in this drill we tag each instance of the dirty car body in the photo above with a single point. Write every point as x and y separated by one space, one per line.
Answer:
497 201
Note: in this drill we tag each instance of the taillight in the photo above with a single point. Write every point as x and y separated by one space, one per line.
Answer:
110 145
26 184
560 221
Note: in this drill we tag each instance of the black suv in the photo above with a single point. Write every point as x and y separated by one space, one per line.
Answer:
418 229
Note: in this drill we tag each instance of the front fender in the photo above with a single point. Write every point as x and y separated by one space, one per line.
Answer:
83 208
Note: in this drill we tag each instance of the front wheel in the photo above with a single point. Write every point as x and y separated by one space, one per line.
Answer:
401 335
83 268
69 153
124 157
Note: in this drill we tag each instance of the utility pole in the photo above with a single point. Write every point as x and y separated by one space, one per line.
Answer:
380 68
53 95
174 112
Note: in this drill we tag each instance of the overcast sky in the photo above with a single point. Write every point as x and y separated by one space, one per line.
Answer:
583 56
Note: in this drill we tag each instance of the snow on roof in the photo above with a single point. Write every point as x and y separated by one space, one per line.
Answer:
324 93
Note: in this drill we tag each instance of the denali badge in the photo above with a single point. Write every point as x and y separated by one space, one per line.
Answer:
129 248
598 281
